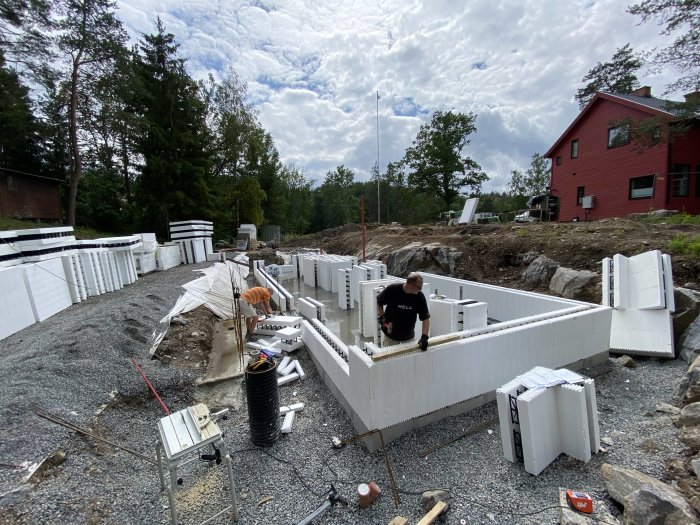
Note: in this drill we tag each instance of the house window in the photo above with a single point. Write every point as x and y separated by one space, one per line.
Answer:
680 180
580 192
574 149
11 183
618 136
642 187
558 160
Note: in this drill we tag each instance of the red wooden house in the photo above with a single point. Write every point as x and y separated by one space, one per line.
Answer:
598 171
27 196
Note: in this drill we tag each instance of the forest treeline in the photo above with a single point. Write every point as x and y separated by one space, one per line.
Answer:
138 142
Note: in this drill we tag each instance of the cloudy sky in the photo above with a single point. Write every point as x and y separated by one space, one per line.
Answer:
313 68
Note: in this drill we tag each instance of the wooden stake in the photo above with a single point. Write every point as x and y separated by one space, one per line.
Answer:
431 516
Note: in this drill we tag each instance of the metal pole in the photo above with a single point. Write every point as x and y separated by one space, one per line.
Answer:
379 217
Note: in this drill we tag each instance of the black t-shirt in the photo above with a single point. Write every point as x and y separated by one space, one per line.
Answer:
401 309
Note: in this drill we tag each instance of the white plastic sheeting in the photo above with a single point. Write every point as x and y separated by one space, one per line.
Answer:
214 290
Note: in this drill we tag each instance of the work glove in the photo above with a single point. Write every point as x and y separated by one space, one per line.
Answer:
380 321
423 343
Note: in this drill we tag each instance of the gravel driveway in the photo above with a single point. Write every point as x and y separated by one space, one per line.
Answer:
78 361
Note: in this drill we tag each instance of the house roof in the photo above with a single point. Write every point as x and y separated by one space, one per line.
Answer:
655 107
8 171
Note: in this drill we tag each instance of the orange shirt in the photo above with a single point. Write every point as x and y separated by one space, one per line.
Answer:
256 295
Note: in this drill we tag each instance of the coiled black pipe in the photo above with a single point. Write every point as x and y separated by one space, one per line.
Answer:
263 403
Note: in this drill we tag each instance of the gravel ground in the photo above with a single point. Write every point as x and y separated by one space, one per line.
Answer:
80 360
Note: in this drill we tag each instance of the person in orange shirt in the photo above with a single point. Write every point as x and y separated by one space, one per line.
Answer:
254 299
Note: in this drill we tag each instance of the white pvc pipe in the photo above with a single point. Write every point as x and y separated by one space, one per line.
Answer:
300 371
296 407
287 423
286 379
283 364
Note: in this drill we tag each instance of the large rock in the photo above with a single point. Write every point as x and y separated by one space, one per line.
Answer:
690 415
657 503
540 271
687 302
646 500
689 389
574 284
690 341
690 436
417 257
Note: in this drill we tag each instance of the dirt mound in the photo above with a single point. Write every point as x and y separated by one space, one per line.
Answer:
493 253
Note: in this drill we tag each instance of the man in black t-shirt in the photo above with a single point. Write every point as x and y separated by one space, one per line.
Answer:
398 305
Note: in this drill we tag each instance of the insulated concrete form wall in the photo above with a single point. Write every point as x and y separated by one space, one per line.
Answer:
379 392
504 304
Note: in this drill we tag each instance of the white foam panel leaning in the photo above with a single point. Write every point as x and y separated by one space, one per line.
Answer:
16 308
74 282
48 288
642 291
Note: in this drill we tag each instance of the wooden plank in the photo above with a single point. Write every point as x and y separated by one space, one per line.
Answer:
401 351
399 520
431 516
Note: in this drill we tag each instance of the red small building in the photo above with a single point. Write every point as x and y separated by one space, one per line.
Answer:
28 196
598 171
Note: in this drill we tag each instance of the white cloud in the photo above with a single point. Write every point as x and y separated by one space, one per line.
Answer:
313 68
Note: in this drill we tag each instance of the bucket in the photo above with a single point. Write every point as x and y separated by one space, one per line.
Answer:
263 403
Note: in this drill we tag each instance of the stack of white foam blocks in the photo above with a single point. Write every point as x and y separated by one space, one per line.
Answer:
193 239
45 270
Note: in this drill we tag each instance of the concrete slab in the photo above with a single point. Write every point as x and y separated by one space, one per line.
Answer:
225 360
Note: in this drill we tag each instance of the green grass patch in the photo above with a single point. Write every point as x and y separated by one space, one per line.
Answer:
678 218
81 232
684 245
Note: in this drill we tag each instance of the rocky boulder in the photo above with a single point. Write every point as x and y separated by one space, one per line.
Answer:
418 257
576 284
646 500
540 271
690 341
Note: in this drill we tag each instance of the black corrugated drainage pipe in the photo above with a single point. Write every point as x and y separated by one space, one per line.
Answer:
263 403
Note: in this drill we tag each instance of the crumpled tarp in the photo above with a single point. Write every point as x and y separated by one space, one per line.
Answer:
214 290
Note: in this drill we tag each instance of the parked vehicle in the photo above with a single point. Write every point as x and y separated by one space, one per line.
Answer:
447 218
529 216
